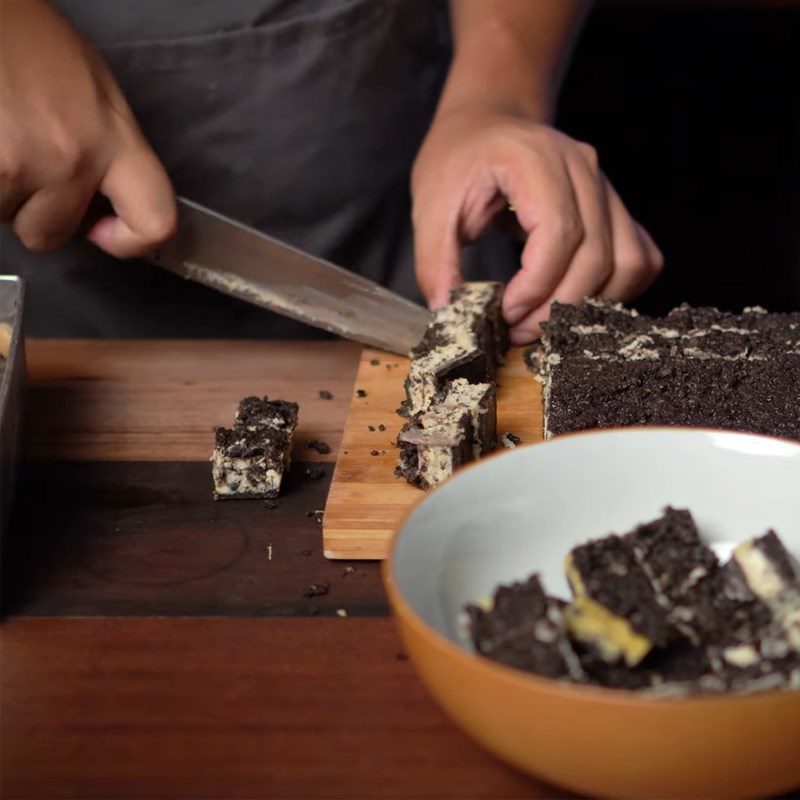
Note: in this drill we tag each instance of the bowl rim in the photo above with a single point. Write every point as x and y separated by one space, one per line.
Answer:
526 681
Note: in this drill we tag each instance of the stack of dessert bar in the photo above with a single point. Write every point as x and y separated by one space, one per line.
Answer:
603 365
655 609
451 386
250 458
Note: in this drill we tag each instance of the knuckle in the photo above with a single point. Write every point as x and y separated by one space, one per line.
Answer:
157 228
67 156
568 229
11 171
589 154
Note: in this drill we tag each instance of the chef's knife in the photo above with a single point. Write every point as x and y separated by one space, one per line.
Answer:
242 262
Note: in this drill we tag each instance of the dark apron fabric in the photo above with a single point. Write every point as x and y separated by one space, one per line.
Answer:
300 118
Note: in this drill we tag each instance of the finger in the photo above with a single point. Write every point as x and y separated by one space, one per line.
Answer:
635 265
437 258
546 207
51 215
592 263
141 193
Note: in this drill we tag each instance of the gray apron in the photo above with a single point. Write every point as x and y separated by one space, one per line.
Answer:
299 117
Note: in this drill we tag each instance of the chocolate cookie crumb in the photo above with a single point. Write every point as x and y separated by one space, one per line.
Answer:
360 393
316 589
374 362
323 448
315 473
374 453
381 427
371 427
324 394
306 551
510 440
270 504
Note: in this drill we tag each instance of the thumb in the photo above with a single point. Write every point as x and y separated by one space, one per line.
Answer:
141 194
437 252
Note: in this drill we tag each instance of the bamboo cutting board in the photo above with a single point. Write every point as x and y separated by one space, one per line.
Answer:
366 501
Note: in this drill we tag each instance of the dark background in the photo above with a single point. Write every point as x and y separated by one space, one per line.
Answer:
695 111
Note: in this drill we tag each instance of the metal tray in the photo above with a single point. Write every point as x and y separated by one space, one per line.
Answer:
12 391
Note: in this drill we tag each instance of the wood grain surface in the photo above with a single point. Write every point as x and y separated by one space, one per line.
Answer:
107 400
147 538
240 708
367 501
158 644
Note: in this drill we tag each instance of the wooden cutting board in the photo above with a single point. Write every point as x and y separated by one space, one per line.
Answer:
366 501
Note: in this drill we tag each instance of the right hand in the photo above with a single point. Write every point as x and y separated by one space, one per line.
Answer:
66 132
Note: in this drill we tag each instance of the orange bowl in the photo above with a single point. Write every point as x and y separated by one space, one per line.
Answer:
511 515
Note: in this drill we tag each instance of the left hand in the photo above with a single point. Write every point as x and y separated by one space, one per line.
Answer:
580 239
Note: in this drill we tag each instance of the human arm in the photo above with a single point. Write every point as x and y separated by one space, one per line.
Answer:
491 144
66 132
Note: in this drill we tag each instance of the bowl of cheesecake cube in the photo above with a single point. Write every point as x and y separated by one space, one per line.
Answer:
616 612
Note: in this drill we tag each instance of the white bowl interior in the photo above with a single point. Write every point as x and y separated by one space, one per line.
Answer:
521 512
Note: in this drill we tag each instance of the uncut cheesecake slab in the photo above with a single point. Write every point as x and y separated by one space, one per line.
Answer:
603 365
251 458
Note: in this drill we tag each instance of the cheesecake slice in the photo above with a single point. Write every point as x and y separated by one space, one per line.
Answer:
251 458
434 444
466 339
524 628
614 610
479 400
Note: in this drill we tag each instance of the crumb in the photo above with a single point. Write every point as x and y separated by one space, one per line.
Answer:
360 393
374 362
401 657
316 589
270 504
388 366
324 394
323 448
315 473
306 552
510 440
348 570
269 552
341 612
374 453
318 515
371 427
381 427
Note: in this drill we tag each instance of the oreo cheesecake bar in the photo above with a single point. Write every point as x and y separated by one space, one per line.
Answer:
602 365
615 611
466 339
524 628
250 459
434 444
479 400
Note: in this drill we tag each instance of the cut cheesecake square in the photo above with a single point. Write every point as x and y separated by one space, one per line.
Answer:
250 459
614 610
479 400
524 628
466 339
434 444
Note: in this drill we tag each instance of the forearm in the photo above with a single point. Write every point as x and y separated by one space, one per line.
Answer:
510 54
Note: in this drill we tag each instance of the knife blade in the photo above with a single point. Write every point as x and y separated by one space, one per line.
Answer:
245 263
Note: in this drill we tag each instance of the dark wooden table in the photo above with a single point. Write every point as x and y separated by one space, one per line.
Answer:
158 644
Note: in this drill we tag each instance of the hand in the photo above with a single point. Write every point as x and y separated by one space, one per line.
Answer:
66 132
580 240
